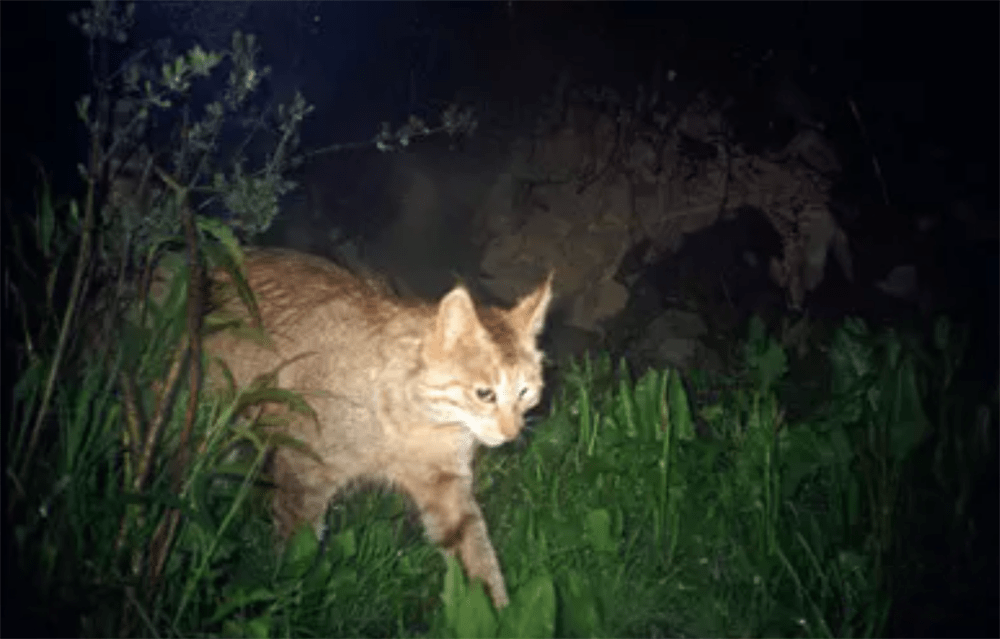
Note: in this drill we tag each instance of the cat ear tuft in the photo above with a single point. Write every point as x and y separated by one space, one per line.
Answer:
528 316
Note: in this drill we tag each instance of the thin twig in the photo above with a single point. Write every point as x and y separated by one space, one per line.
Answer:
134 423
76 288
159 548
159 419
875 163
194 312
83 256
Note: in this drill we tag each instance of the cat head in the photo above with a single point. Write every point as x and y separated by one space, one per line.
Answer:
481 365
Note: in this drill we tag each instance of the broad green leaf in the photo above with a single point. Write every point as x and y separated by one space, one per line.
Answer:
232 265
475 616
662 404
579 614
680 411
584 406
300 552
623 371
259 628
647 403
942 333
74 214
319 577
221 232
801 457
345 543
170 263
909 425
626 407
532 609
598 529
175 303
851 355
773 365
344 578
452 592
765 358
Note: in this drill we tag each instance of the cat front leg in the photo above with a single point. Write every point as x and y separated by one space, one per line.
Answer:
454 521
301 495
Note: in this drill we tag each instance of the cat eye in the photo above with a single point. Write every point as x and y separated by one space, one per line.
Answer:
523 393
486 395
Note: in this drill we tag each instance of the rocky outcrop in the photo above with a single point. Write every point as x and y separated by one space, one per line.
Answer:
601 182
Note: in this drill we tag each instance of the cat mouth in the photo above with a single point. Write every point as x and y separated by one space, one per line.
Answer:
491 440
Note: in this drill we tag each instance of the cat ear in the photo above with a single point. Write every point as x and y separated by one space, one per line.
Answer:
528 316
456 316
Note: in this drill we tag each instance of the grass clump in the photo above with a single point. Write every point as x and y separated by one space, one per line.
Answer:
668 505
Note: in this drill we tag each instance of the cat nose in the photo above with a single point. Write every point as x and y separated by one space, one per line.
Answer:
510 426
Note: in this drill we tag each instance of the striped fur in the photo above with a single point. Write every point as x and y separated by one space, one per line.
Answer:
406 391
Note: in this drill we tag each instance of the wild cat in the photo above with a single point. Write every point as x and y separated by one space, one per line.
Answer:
407 390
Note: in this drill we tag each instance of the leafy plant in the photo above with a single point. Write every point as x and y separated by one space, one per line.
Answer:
468 612
716 517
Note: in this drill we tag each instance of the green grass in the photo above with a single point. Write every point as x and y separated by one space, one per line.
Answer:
616 518
664 505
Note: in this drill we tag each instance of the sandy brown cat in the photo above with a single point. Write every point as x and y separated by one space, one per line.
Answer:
408 390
